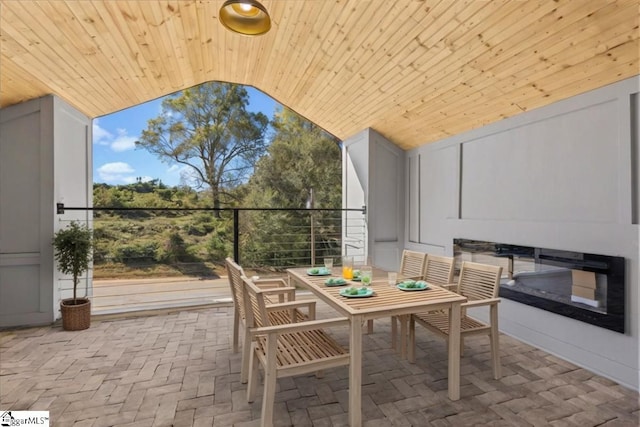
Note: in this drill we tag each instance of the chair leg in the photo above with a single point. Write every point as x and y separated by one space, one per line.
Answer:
270 378
253 377
236 330
246 355
370 326
495 354
494 336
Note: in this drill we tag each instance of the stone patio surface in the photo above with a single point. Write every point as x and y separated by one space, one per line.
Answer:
176 368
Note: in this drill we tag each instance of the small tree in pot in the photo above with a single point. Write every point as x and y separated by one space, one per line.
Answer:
73 250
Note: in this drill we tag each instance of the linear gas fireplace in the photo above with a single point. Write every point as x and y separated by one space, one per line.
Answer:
585 287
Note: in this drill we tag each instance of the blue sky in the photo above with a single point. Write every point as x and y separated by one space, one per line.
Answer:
115 157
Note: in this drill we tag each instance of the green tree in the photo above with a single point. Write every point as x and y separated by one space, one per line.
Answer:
208 129
301 157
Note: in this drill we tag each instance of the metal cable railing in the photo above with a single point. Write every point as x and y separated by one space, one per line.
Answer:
156 257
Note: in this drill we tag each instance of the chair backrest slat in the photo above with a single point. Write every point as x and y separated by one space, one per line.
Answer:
235 274
254 304
479 281
439 269
413 264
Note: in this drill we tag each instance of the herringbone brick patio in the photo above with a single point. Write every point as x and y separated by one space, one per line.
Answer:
177 369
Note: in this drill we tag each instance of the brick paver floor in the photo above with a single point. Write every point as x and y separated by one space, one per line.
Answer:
177 369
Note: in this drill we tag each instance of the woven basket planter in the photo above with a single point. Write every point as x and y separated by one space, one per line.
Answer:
75 317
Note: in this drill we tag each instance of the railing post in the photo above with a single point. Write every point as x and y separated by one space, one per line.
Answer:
311 205
236 235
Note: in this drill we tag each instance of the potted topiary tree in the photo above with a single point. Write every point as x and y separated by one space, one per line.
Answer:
73 250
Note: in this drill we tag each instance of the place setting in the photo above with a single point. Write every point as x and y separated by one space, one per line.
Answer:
325 270
412 285
406 284
318 271
365 275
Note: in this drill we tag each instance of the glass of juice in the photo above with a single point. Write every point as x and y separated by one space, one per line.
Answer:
347 267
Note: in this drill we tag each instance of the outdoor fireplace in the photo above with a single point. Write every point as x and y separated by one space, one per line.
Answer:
585 287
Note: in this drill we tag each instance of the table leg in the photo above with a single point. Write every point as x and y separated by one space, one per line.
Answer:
394 333
454 351
404 321
355 372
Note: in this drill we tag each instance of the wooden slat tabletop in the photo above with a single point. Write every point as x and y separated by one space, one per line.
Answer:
385 300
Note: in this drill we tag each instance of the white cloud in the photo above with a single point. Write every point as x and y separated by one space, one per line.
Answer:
120 142
116 173
180 170
185 173
116 167
123 142
128 179
101 136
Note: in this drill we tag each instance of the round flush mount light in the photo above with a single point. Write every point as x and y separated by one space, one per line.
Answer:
247 17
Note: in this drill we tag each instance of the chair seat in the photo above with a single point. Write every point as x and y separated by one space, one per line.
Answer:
302 348
283 317
440 320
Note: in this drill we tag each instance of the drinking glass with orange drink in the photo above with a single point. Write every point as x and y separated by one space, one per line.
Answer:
347 267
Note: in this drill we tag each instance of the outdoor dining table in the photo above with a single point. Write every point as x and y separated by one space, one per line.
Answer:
386 301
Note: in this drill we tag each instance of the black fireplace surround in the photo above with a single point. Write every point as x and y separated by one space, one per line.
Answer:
582 286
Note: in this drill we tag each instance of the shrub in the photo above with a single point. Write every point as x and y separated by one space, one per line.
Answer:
137 252
175 249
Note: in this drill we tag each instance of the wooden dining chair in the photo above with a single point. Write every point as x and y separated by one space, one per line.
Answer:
439 270
275 290
480 283
285 350
412 266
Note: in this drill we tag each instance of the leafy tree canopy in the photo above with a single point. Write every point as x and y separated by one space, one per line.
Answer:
208 129
301 157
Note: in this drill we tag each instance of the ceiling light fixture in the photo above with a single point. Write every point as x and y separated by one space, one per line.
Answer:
247 17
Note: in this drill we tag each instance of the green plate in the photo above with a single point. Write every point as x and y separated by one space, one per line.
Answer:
335 282
417 286
344 293
321 271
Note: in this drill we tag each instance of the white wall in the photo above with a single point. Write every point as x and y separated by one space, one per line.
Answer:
355 182
73 184
373 176
564 177
41 142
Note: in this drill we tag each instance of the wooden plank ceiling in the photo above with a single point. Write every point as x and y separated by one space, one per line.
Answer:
415 71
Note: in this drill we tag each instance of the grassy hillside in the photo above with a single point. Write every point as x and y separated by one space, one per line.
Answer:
135 243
